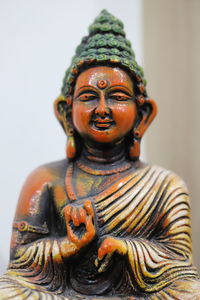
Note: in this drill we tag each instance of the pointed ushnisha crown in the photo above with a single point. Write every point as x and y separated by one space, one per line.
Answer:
105 44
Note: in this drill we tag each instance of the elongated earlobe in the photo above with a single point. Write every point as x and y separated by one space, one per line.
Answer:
134 150
71 147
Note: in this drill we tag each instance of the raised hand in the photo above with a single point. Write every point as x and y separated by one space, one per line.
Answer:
75 216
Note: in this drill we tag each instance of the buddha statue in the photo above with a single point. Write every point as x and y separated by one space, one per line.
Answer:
101 224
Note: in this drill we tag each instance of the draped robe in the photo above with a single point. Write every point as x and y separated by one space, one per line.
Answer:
148 208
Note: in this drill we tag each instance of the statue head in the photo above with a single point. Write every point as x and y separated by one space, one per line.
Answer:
103 68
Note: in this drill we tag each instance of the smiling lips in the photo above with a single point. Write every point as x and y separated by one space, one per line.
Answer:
103 123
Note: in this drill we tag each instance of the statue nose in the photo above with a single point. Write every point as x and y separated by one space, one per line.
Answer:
102 109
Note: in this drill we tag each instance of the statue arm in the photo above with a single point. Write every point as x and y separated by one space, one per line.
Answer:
37 254
34 218
165 254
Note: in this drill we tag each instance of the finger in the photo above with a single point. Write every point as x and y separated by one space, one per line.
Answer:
75 216
90 231
89 208
101 253
103 250
82 215
89 224
67 213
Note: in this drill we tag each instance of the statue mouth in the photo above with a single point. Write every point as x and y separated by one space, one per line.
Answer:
102 124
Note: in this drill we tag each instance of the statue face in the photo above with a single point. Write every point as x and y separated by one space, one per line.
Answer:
103 109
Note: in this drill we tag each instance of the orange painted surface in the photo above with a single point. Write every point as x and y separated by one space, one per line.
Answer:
33 185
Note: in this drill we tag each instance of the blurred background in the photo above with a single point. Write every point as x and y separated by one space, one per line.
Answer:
37 41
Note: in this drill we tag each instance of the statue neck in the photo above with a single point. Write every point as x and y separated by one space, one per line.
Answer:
112 154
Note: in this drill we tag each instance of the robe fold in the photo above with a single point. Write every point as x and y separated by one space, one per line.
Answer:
149 210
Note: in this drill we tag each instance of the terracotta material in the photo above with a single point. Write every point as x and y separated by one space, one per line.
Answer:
101 224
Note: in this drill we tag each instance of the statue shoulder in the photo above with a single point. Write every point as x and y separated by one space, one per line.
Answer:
164 176
164 188
170 178
39 182
47 173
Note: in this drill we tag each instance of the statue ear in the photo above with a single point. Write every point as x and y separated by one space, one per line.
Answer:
146 113
147 110
62 107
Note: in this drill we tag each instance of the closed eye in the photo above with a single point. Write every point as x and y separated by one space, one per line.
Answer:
87 96
119 96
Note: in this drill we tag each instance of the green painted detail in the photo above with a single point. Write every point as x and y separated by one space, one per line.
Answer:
106 43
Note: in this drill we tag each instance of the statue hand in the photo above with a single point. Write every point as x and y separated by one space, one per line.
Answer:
111 245
106 251
75 216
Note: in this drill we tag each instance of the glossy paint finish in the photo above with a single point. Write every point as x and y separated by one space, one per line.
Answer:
104 113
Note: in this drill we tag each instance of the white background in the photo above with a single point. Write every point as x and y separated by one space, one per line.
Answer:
37 40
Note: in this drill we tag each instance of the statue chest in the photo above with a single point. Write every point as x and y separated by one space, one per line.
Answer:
82 186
